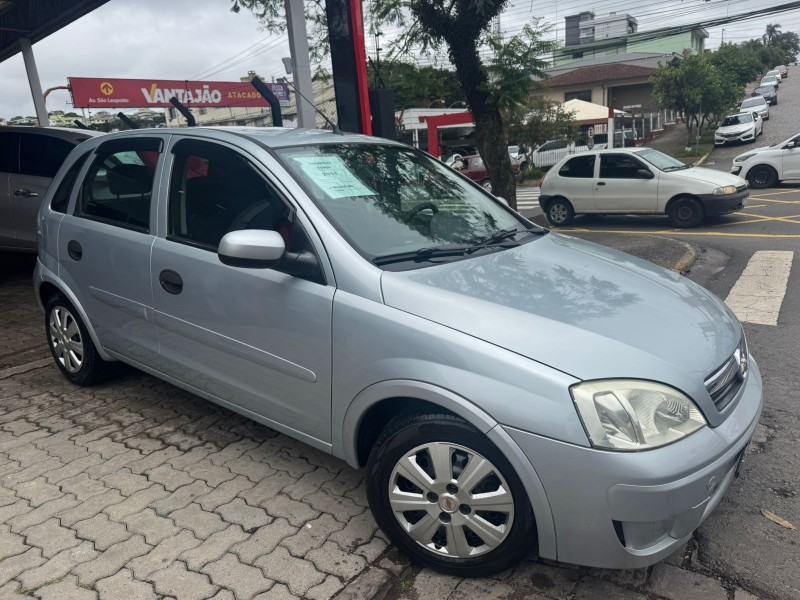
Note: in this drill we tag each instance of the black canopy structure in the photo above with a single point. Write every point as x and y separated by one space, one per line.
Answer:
25 22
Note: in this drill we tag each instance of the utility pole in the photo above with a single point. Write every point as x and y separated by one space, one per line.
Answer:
298 46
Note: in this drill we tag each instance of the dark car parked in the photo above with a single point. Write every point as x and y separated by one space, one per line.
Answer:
768 91
473 167
29 159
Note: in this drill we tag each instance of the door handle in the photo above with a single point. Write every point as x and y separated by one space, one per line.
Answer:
74 250
25 193
601 183
170 281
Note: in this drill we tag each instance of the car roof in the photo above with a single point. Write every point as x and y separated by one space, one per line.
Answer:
754 99
65 133
743 113
271 137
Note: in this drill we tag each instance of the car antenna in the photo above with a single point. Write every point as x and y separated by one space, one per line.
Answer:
333 125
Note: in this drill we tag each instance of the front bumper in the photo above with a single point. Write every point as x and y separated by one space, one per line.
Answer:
721 205
748 136
622 510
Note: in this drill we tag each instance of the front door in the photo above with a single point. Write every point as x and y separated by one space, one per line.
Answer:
791 161
257 339
623 186
104 246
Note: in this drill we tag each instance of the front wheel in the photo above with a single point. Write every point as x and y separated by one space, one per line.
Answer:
560 212
70 344
487 185
762 176
448 497
685 213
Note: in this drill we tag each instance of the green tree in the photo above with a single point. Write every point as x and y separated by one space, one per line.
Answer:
737 62
773 29
416 87
697 89
541 120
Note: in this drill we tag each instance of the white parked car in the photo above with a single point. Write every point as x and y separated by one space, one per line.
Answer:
638 181
552 151
757 104
741 127
776 73
765 167
770 80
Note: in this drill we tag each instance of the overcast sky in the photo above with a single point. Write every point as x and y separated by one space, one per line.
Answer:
184 39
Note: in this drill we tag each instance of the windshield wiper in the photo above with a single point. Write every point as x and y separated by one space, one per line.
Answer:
675 168
503 235
422 254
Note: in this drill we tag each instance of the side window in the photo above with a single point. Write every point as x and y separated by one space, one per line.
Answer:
477 163
42 155
119 183
9 152
214 190
620 166
61 197
580 166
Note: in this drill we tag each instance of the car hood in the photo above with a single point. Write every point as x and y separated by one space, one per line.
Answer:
735 128
584 309
715 178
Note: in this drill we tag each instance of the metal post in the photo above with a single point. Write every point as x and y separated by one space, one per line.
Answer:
611 128
33 81
298 46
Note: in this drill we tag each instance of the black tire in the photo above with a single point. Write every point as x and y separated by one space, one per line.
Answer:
762 176
523 167
407 433
81 368
559 212
487 185
685 213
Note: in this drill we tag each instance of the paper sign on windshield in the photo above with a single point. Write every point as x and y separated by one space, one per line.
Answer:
333 176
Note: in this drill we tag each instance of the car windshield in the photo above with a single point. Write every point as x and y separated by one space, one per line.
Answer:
397 205
753 102
661 161
737 120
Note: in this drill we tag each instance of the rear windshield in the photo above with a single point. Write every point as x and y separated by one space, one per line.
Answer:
737 120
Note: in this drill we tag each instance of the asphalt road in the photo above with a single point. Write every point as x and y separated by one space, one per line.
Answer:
738 542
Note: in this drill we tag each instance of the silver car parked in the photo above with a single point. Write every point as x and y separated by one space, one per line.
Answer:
29 158
505 387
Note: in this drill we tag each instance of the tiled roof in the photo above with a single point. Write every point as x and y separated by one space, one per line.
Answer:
611 72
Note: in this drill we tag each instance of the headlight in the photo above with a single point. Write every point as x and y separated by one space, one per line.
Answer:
744 157
629 415
728 189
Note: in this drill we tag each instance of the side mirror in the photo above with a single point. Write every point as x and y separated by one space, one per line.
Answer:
251 248
645 174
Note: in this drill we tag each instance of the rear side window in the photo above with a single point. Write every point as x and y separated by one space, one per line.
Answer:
61 197
9 152
119 184
42 155
580 166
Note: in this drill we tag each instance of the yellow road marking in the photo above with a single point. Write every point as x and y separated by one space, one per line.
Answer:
773 201
761 219
795 191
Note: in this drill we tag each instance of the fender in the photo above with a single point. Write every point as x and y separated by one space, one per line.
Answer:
477 418
41 275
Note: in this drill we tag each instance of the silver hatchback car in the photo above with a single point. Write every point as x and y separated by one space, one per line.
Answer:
505 387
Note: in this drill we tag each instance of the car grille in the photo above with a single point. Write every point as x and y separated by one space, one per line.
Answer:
724 384
732 135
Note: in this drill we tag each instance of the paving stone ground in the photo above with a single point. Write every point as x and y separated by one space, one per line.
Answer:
137 490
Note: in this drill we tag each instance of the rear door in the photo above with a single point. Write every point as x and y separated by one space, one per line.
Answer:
576 180
104 245
40 157
9 163
622 187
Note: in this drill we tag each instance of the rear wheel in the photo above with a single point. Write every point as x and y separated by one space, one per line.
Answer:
448 497
685 212
70 344
560 212
762 176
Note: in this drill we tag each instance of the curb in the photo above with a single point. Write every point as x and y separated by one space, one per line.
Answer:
687 260
702 159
